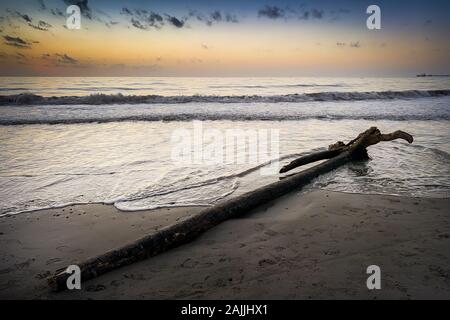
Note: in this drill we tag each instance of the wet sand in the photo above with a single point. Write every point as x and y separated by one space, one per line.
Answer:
301 246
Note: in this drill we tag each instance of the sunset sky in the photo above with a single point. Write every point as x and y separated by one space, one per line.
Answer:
224 38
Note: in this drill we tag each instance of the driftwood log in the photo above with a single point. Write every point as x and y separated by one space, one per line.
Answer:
183 232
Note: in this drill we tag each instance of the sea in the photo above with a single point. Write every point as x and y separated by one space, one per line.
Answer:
143 143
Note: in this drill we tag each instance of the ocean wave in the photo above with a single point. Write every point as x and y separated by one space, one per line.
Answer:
221 116
168 193
99 99
299 85
102 88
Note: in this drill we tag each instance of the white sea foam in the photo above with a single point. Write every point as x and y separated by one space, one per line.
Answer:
100 99
435 108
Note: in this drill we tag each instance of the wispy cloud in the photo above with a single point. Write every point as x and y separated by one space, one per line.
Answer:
16 42
42 5
288 13
143 19
317 14
64 58
41 25
60 59
313 13
57 12
355 44
179 23
214 17
271 12
147 20
25 17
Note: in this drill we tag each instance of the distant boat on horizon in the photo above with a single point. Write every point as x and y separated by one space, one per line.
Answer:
432 75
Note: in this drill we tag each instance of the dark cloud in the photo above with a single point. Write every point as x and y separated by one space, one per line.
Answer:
20 56
317 14
274 12
16 42
213 17
216 16
201 17
112 23
175 21
42 5
56 12
25 17
65 59
304 15
271 12
137 24
428 22
60 59
143 19
126 11
231 18
84 7
42 25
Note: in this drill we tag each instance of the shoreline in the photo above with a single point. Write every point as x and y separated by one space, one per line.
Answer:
312 245
196 208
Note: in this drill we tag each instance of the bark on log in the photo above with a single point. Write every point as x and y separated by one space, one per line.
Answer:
313 157
187 230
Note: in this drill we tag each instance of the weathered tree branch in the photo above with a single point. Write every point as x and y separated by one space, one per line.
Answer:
365 139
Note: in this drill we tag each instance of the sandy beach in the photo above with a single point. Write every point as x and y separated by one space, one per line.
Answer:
301 246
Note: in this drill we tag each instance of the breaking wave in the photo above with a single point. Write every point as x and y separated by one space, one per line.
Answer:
299 85
100 99
219 116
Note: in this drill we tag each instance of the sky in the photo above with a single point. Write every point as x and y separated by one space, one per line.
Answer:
224 38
